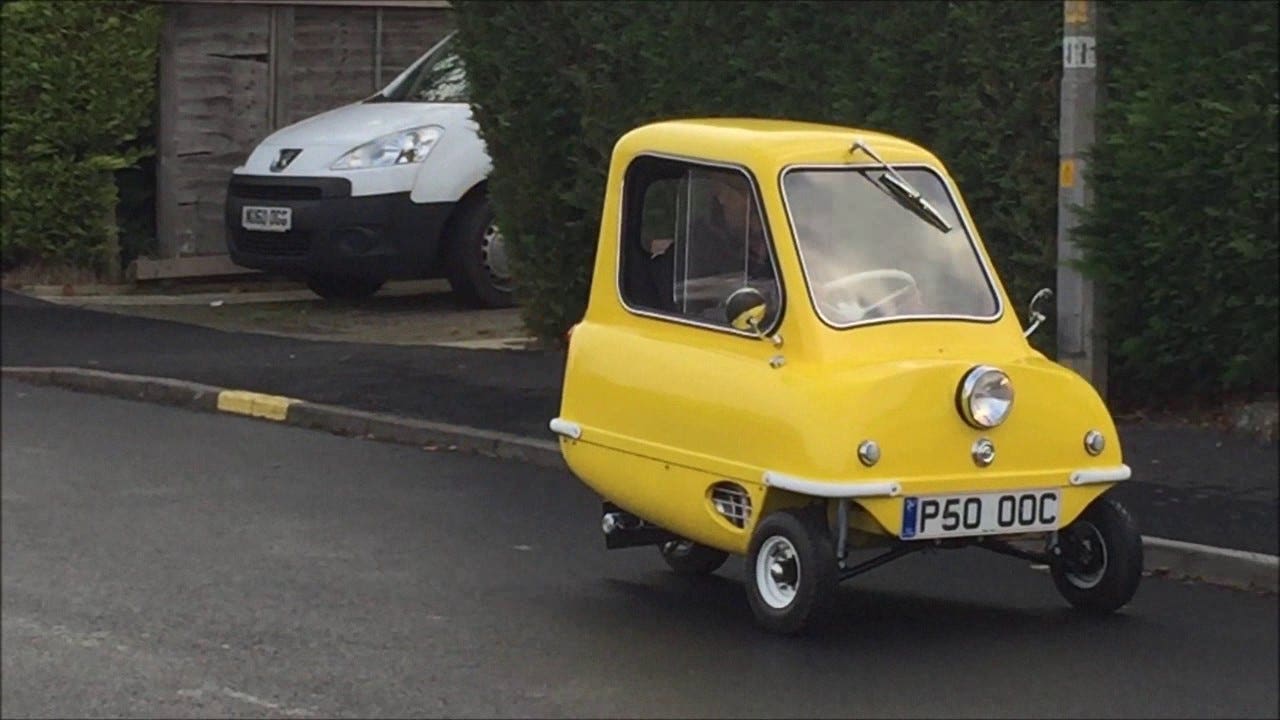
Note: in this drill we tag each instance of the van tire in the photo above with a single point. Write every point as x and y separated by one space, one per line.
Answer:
344 287
464 257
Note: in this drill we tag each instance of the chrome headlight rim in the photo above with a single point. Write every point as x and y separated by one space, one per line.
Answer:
965 396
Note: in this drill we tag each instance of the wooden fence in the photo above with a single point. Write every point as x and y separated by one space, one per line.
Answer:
233 71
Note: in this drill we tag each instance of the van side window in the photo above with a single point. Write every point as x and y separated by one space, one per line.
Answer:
691 236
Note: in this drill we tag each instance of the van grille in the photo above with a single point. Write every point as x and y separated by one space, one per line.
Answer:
286 244
276 192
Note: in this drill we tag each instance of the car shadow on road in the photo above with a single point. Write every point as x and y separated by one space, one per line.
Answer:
718 604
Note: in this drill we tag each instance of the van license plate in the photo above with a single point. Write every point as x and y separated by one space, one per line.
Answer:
997 513
270 219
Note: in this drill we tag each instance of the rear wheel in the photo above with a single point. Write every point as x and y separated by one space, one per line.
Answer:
688 558
344 287
475 257
791 570
1099 564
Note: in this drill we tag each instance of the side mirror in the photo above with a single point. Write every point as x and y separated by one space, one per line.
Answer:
745 310
1034 315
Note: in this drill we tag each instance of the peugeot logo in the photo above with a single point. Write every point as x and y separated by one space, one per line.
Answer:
286 156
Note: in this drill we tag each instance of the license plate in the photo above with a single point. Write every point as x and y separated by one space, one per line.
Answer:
996 513
270 219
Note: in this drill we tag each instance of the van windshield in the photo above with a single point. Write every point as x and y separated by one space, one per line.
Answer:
439 77
867 258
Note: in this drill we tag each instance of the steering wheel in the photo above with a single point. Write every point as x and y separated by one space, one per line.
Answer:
852 306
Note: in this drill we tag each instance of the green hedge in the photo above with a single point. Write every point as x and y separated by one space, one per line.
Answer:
78 89
556 84
1183 232
1188 134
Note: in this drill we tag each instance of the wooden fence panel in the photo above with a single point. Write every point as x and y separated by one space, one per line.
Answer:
215 97
407 34
332 59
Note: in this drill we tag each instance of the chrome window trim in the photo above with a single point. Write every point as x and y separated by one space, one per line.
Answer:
764 224
970 233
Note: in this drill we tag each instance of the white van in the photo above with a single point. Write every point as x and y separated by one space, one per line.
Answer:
391 187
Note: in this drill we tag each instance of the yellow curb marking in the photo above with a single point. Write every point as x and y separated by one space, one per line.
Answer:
243 402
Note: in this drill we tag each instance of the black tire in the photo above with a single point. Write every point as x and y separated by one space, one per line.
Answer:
1100 565
806 535
690 559
342 287
466 263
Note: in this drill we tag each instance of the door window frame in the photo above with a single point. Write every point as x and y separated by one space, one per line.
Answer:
627 205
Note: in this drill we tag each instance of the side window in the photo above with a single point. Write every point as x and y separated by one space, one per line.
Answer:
691 236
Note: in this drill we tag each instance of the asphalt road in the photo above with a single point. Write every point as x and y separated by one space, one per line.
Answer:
161 562
1193 484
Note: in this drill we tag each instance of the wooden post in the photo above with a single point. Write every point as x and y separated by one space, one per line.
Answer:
1081 340
377 48
280 57
166 135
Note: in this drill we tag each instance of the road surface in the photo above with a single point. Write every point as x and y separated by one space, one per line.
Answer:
163 562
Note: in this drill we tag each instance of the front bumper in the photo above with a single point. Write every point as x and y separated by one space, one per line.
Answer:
882 499
385 236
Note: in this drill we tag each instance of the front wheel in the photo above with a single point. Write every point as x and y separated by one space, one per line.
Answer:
791 570
1099 563
475 257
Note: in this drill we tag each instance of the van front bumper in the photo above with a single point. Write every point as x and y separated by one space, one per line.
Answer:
333 233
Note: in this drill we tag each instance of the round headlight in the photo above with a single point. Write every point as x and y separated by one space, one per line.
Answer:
985 397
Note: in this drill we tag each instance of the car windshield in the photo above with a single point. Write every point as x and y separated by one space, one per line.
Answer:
439 77
868 258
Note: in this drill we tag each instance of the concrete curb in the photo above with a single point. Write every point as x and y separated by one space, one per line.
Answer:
301 413
1170 558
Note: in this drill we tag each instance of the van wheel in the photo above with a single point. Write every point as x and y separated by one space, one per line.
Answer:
475 258
344 287
1100 563
690 559
791 570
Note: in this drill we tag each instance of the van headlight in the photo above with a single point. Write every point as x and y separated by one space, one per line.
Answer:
985 397
398 148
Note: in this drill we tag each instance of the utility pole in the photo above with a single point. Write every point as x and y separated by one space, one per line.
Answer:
1081 341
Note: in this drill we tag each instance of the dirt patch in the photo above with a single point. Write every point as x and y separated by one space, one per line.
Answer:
417 313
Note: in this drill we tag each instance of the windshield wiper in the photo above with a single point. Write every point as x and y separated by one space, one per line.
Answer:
902 190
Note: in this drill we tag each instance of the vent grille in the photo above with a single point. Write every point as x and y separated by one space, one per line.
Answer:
731 501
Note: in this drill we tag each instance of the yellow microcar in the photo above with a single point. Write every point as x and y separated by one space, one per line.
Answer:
796 346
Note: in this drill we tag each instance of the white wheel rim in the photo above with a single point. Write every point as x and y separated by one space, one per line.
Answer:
1091 536
777 572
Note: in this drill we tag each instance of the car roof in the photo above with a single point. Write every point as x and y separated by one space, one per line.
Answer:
743 139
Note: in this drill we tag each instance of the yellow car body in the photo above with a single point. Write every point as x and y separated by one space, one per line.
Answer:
657 413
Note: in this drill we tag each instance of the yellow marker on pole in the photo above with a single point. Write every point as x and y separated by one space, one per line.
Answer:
1067 173
1076 12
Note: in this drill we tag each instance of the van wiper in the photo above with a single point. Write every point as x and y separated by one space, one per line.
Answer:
902 190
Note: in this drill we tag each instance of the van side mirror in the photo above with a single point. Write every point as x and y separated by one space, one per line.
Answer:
1033 314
